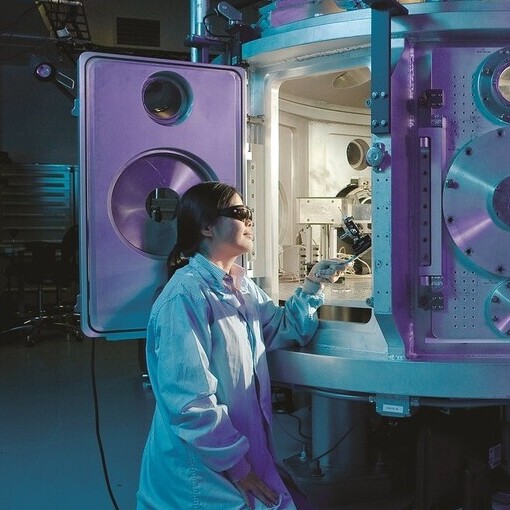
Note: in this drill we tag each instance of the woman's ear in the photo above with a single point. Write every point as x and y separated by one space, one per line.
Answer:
206 231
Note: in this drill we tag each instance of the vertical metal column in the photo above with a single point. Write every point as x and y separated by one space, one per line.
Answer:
382 11
198 11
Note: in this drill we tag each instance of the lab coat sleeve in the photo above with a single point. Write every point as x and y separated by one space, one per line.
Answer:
296 321
185 388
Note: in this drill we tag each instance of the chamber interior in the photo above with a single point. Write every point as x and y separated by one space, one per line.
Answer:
324 135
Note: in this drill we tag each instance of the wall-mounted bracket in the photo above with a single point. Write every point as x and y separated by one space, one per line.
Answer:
382 11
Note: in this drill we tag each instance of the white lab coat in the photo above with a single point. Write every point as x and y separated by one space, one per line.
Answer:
206 355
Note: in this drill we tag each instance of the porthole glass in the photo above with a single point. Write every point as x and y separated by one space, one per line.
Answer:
503 84
356 154
145 196
167 97
492 86
161 204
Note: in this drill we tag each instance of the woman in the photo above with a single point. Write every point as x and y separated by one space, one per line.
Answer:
209 446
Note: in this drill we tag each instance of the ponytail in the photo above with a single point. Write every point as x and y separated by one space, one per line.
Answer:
175 261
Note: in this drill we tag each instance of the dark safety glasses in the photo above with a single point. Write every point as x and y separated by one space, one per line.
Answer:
238 212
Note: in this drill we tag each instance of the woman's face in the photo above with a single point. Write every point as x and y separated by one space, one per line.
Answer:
231 237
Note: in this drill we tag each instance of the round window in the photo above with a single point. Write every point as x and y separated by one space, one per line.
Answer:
503 84
167 97
356 154
492 86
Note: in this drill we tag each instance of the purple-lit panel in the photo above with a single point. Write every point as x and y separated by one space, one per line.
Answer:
149 129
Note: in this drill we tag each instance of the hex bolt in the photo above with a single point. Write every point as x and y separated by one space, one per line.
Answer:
500 269
469 151
495 299
451 183
384 123
469 251
508 285
375 95
495 318
450 219
375 123
384 95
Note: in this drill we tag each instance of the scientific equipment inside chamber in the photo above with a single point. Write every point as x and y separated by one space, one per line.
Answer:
324 178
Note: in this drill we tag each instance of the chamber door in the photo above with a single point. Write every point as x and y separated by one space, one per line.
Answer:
149 130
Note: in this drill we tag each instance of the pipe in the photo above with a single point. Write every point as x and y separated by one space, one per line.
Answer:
198 11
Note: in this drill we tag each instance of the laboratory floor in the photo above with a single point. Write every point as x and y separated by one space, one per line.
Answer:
63 402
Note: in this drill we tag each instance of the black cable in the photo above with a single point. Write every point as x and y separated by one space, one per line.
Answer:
288 413
292 436
336 444
98 429
300 426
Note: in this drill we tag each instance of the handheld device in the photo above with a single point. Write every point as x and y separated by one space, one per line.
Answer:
361 243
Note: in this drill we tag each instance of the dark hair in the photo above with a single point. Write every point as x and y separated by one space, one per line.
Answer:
197 208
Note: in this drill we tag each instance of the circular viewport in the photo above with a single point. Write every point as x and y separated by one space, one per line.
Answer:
167 97
500 199
356 154
145 196
503 84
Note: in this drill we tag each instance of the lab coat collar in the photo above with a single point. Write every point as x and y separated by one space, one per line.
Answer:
202 263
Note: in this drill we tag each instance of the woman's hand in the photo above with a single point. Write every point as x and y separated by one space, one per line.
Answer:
327 270
252 486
